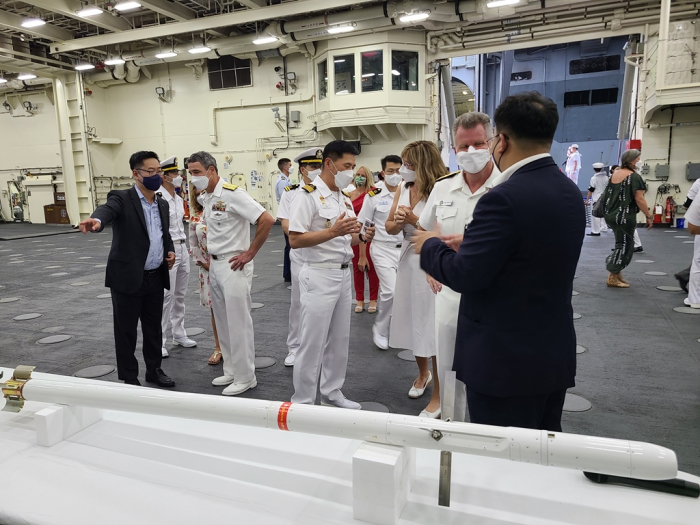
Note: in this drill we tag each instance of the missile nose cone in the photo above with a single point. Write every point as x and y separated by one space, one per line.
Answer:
649 461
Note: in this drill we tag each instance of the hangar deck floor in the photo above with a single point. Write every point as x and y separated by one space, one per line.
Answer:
641 371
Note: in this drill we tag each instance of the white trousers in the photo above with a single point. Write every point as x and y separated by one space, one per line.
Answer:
230 301
637 240
385 256
446 317
573 175
174 299
598 225
326 301
694 282
294 307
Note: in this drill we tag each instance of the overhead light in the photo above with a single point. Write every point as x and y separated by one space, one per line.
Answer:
501 3
344 92
463 92
26 76
114 61
166 54
339 61
368 75
32 22
84 66
395 73
416 16
126 6
199 49
89 10
2 80
344 28
267 39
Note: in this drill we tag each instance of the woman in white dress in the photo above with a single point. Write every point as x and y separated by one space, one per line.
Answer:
413 316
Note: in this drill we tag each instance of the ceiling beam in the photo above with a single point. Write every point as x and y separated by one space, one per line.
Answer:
70 9
48 31
203 24
253 4
22 66
170 9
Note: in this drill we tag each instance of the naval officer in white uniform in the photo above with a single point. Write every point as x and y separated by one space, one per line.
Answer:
385 248
451 207
228 213
309 167
599 181
174 298
324 227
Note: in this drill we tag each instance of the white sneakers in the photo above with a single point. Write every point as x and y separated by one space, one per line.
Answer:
416 392
185 341
238 388
379 340
222 381
343 402
289 360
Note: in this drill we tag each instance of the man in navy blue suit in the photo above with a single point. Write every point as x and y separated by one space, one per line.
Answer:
516 344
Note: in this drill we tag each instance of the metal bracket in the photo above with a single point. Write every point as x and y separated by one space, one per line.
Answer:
12 388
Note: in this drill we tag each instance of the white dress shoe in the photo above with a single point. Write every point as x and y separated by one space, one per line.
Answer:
289 360
431 415
164 352
238 388
343 402
687 302
222 381
416 392
185 341
379 340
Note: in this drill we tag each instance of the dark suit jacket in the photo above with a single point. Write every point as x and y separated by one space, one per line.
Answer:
130 242
515 270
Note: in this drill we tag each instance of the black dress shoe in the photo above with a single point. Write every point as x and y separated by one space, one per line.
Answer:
638 249
593 234
158 377
132 382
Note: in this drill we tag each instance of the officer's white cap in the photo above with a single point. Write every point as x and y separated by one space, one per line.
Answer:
574 146
311 155
169 164
598 165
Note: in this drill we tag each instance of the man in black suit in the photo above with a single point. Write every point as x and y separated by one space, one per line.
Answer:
516 345
137 268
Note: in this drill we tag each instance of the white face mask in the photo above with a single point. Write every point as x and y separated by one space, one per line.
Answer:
639 164
406 174
177 181
393 180
200 183
313 174
200 199
473 160
343 178
291 170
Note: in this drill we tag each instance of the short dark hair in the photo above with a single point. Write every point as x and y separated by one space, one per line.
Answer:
337 148
136 160
282 162
528 118
391 158
612 168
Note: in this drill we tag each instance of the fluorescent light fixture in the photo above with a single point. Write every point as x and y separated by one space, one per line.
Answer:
199 49
463 92
84 66
166 54
417 16
265 40
345 28
2 80
32 22
126 6
339 61
89 10
26 76
368 75
114 61
501 3
344 92
395 73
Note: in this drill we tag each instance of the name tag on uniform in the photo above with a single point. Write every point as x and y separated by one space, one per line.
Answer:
218 206
382 203
444 203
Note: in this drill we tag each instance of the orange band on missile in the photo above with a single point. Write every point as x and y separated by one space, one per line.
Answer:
282 416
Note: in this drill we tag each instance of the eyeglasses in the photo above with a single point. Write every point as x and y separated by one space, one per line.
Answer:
151 173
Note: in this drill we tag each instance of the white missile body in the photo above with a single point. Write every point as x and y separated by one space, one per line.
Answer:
586 453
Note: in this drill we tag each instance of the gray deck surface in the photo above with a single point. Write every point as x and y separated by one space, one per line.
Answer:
641 371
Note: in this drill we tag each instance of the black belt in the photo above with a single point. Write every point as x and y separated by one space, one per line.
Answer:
149 272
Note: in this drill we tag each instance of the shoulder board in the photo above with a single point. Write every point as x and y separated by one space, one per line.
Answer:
309 188
292 187
449 175
346 194
374 191
231 187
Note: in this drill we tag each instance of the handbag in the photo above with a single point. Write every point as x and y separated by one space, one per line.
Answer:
598 209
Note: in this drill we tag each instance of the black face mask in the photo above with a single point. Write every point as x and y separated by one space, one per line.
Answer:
493 155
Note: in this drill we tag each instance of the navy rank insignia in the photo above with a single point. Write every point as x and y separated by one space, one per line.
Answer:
292 187
374 191
309 188
231 187
218 206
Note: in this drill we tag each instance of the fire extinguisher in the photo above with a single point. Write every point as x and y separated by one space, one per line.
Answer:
670 207
658 209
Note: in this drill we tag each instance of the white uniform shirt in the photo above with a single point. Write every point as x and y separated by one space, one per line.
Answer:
376 209
573 158
693 214
599 182
176 214
317 211
693 191
227 214
282 182
451 203
284 211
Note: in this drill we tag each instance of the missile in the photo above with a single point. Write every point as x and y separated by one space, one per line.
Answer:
597 455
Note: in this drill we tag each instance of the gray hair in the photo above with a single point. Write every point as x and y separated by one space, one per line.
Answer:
204 158
628 157
471 120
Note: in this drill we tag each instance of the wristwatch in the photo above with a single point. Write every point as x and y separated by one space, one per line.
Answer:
362 238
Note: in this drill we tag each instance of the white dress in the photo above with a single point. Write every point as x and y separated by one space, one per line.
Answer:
413 316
